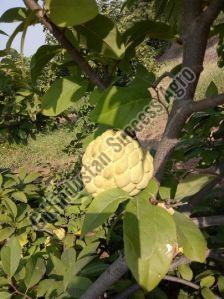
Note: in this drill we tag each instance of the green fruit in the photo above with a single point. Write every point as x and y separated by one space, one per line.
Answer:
116 160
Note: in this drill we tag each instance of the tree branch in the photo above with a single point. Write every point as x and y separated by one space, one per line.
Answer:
131 290
162 101
203 222
59 35
117 269
182 281
177 118
208 103
160 78
179 261
112 274
212 11
180 113
196 29
198 197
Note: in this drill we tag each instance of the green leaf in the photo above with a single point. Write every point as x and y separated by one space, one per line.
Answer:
68 257
30 20
94 269
11 206
3 32
101 35
24 92
35 269
185 272
1 180
15 14
135 35
207 281
5 219
40 59
85 257
192 184
31 177
69 13
102 207
149 237
212 90
221 285
22 173
167 188
99 131
45 286
157 30
18 29
78 286
157 293
138 295
208 294
128 3
10 256
59 266
61 95
5 233
190 238
5 295
116 102
150 191
182 295
20 196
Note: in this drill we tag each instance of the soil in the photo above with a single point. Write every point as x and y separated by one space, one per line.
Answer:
151 135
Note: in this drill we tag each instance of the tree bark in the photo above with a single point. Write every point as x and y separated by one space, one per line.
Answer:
60 37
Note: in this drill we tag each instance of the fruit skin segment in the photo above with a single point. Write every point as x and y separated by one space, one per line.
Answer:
114 160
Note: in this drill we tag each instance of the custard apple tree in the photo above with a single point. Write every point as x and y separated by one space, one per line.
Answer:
159 212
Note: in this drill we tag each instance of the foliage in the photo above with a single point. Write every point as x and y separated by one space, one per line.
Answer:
20 101
19 105
56 239
34 256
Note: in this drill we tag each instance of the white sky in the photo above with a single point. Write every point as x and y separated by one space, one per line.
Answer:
34 38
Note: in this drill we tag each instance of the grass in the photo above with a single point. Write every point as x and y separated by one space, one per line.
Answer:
39 152
211 73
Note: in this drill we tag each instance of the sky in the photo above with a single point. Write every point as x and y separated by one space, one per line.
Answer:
34 37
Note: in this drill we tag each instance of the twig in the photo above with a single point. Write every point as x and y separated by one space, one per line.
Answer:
155 87
182 281
117 269
203 222
18 292
59 35
177 262
159 79
162 101
134 288
198 197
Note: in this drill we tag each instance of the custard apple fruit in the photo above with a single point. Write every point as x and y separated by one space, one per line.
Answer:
116 160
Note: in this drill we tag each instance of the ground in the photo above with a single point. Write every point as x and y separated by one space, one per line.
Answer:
44 154
171 58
